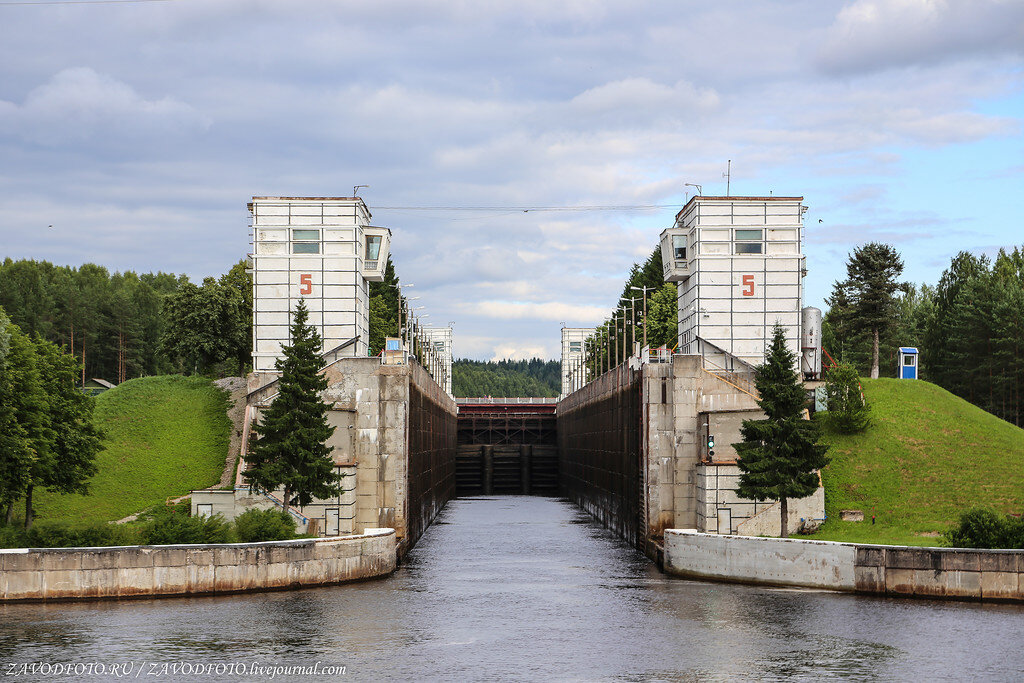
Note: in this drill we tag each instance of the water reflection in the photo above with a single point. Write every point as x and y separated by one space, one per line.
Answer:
531 589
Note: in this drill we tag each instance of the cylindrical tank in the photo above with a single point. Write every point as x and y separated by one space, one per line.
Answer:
810 342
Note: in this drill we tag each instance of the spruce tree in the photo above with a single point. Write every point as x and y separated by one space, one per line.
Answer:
779 455
868 291
291 449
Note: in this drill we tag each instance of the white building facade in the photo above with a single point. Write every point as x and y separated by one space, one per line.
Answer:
739 266
574 341
324 251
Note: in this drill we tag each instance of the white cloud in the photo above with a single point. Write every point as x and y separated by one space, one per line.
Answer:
870 35
517 310
80 104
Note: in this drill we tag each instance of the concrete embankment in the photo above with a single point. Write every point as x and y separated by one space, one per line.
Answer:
953 573
176 570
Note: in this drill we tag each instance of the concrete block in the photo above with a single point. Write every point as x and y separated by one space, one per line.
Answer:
135 581
870 557
1000 585
23 584
196 556
136 557
57 560
869 578
899 581
170 580
225 556
170 557
994 561
961 560
959 584
22 562
99 559
929 582
201 578
911 558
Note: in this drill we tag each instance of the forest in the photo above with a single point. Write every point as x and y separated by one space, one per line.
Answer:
969 328
504 378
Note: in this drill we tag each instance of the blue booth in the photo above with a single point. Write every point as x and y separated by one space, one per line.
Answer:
908 363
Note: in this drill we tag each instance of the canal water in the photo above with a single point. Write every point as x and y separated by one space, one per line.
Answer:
518 588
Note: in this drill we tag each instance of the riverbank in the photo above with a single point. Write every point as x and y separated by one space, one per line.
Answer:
50 574
950 573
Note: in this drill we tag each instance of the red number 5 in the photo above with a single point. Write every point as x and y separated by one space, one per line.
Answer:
306 280
748 285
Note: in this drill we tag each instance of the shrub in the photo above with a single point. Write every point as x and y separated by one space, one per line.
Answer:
848 412
985 528
171 526
63 535
264 525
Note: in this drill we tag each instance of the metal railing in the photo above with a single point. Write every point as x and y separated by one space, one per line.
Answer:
506 400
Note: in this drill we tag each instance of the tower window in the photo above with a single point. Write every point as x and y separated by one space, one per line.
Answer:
749 241
305 241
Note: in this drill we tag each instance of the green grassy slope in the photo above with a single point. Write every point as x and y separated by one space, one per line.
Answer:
165 436
926 457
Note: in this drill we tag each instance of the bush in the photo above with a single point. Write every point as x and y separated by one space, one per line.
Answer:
985 528
171 526
264 525
848 412
62 535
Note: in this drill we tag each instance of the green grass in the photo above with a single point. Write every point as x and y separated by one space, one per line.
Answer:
164 437
926 457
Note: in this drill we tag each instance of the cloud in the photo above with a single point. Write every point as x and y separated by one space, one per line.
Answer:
79 104
871 35
553 311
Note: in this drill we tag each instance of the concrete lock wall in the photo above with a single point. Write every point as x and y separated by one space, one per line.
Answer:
599 450
953 573
175 570
394 444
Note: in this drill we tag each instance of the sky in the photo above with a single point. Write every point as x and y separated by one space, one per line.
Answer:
488 132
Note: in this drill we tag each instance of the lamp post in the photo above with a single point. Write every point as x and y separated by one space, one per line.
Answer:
644 289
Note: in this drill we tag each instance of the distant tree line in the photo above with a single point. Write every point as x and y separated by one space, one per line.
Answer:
124 325
969 329
505 378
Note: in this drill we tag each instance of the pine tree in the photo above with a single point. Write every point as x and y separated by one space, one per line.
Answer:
868 291
291 450
779 454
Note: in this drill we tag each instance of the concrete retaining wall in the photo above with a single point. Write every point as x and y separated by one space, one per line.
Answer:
952 573
174 570
599 451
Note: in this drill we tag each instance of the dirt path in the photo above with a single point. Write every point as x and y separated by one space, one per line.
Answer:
235 386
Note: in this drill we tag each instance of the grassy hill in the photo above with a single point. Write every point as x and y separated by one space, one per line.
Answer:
927 456
165 436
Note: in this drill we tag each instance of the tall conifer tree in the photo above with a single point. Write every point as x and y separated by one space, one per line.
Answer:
291 450
868 291
779 454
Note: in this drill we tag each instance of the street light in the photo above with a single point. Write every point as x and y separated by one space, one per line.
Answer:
644 289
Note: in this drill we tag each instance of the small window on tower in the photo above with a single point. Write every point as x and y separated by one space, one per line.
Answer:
575 347
679 247
305 241
749 241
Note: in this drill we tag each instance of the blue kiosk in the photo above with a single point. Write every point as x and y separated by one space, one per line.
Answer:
908 363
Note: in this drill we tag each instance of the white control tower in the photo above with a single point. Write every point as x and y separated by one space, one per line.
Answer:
739 268
319 249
